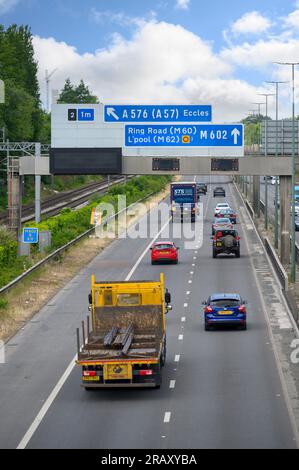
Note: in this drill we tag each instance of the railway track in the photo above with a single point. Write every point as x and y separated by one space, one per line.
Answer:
74 198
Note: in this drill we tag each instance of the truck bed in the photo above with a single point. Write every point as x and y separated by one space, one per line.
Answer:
147 333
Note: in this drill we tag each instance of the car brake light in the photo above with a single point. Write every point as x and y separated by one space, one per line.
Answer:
208 309
146 372
242 309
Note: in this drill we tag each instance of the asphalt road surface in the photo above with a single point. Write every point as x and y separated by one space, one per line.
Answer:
221 389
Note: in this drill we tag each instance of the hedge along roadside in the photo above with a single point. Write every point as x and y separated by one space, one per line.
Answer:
71 223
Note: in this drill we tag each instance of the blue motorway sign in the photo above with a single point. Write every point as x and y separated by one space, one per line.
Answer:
85 114
200 135
30 235
152 113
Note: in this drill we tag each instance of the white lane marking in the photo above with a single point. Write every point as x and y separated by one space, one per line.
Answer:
177 358
146 251
185 305
196 252
172 384
193 264
40 416
24 442
194 257
183 319
190 282
181 337
191 272
167 417
188 292
270 332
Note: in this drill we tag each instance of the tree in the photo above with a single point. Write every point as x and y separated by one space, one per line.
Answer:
76 94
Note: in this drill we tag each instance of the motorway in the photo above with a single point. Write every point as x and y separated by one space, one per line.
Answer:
221 389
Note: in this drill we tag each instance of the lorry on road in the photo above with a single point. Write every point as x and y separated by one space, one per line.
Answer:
183 201
125 344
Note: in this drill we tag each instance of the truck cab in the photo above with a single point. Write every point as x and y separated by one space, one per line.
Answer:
183 201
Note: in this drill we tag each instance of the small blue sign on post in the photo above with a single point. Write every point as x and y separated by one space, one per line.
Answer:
177 135
156 113
30 235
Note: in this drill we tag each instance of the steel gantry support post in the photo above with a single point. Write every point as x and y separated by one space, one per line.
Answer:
256 195
285 218
37 187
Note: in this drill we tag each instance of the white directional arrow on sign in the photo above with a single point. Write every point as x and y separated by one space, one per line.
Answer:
111 112
235 133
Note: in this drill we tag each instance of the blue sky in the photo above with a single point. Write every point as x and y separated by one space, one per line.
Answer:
187 50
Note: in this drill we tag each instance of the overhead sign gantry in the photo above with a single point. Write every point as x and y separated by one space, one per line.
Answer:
105 139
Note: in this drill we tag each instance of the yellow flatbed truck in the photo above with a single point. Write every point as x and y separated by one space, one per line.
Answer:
126 344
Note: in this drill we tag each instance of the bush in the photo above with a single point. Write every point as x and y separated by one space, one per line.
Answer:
8 248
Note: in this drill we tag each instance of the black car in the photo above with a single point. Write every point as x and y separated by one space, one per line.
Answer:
297 223
219 191
202 188
226 241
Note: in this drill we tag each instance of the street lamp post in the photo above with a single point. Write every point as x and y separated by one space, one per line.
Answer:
259 143
293 233
276 235
266 95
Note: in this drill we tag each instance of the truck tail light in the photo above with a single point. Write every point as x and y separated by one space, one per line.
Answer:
146 372
89 373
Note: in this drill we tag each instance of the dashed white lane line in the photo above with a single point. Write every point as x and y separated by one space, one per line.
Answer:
185 305
190 282
172 384
177 358
194 257
167 417
188 292
193 264
44 409
191 272
183 319
181 337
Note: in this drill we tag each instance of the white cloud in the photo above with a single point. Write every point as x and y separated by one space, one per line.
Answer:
292 20
120 18
262 53
161 63
7 5
182 4
251 23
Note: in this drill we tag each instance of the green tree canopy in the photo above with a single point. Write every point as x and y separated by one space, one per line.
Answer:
76 94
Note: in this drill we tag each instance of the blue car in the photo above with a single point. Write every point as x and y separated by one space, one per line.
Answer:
225 309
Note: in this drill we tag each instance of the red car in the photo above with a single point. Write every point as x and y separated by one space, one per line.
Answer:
164 252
